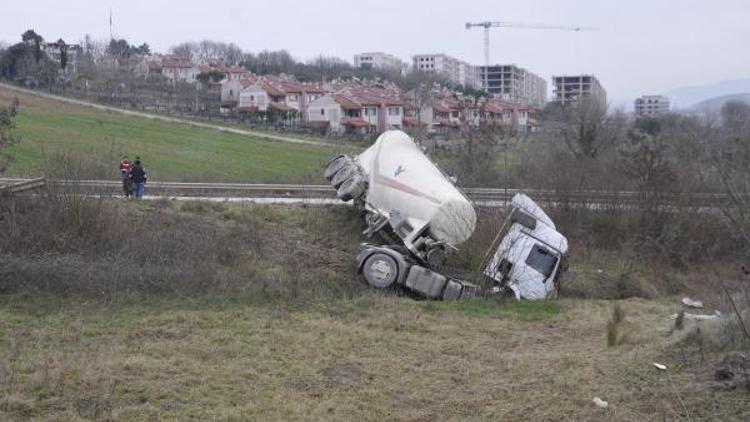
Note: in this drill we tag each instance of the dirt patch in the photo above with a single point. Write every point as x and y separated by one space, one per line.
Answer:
345 375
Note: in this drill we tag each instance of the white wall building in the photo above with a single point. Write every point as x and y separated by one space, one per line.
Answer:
378 60
651 106
457 71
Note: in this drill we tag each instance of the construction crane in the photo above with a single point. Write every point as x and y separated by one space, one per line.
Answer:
487 25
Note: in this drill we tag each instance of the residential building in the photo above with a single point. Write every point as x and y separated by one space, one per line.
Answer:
651 106
378 60
456 71
278 94
54 52
229 72
568 89
358 108
176 69
513 83
508 114
231 88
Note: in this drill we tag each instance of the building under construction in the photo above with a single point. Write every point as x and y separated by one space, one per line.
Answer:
514 83
651 106
568 89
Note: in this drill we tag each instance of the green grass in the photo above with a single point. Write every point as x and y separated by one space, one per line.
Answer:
488 308
170 151
373 358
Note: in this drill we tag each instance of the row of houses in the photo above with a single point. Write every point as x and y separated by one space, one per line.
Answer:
177 69
365 106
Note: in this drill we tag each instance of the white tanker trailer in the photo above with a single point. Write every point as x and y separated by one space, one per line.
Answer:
407 197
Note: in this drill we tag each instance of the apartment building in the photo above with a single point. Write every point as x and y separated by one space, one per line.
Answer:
378 60
651 106
455 70
514 83
568 89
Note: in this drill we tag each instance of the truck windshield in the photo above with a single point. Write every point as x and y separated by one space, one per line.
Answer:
542 260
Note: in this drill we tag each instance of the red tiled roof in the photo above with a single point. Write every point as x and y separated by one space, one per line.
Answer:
447 123
413 122
317 123
363 94
345 102
356 122
246 82
492 107
281 107
176 62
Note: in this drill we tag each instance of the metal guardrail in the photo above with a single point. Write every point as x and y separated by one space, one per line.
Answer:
325 191
20 185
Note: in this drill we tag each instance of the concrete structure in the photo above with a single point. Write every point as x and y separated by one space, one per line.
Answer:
568 89
513 83
455 70
651 106
378 60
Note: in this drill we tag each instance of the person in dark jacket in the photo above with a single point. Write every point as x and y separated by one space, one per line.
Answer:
138 176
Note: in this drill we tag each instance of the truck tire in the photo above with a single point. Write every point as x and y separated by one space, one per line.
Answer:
344 173
352 188
334 165
380 270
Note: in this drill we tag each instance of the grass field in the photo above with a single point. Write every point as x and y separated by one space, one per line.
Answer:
171 152
374 358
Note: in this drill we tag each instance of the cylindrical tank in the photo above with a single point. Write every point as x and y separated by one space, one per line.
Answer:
401 178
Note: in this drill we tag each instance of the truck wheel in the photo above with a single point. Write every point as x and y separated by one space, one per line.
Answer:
341 176
336 164
380 270
351 189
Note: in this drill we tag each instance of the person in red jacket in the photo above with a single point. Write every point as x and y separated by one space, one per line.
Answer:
127 185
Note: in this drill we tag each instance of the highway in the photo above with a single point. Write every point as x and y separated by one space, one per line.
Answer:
325 194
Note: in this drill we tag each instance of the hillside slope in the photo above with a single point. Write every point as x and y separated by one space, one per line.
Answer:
53 131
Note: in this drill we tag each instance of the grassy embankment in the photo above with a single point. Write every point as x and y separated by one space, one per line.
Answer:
171 152
238 312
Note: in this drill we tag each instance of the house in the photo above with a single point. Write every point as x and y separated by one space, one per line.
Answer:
356 107
53 51
507 114
230 72
177 69
279 96
231 88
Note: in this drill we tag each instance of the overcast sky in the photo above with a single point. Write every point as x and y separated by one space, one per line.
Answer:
643 46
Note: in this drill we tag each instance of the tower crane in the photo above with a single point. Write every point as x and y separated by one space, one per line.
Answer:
488 24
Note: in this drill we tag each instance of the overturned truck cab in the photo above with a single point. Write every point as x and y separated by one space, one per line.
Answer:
423 216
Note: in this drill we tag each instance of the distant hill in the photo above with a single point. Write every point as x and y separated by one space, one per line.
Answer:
714 105
687 97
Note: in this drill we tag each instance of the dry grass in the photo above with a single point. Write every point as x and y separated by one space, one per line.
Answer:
374 358
112 250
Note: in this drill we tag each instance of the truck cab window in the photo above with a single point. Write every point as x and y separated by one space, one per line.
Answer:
542 260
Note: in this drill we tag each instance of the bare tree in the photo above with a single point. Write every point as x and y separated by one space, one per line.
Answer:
7 115
586 128
732 163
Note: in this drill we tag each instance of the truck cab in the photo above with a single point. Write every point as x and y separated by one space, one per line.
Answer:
529 254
